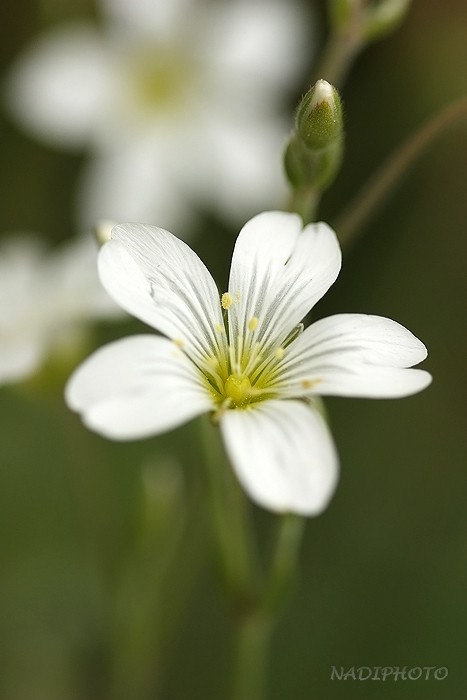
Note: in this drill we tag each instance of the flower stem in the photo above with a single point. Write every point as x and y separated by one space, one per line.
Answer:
251 655
345 41
304 201
230 521
156 580
255 627
338 55
283 568
373 194
257 600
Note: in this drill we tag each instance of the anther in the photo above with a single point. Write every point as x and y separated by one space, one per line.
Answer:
226 300
309 383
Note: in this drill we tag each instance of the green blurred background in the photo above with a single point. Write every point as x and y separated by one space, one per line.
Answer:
383 577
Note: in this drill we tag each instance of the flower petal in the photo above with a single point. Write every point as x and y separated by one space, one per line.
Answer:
72 289
21 356
160 280
245 167
147 16
59 86
130 184
354 355
136 387
283 455
260 42
279 271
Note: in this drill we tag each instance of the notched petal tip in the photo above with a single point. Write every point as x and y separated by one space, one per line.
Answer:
283 455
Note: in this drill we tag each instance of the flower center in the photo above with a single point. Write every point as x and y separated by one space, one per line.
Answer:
246 366
159 78
245 371
238 389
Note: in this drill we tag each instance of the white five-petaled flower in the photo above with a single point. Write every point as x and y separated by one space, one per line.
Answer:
242 355
46 299
177 101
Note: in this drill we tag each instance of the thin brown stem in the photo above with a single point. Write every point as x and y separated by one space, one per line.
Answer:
357 214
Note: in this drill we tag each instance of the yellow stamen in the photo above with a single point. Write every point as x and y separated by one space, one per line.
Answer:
309 383
279 353
252 324
226 300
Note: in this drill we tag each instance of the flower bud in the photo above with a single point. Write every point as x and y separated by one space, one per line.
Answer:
297 163
319 117
327 165
102 231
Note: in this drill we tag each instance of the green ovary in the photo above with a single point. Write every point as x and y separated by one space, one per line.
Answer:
245 374
237 389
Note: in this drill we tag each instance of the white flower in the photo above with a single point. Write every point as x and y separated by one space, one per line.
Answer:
45 300
242 355
177 101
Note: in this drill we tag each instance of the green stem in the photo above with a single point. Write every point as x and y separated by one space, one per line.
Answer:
304 201
155 585
251 654
283 567
230 521
356 215
256 603
255 629
344 44
338 55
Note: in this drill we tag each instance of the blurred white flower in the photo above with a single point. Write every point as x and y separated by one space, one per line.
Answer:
179 102
242 355
46 299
